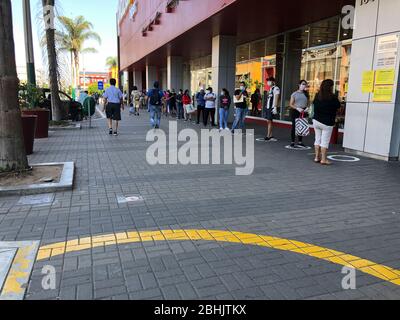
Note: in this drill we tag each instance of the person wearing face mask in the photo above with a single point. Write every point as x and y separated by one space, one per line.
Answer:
180 105
240 100
210 99
299 103
201 104
224 105
271 107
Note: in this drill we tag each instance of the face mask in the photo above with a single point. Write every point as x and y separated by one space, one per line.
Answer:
208 91
242 88
222 93
269 83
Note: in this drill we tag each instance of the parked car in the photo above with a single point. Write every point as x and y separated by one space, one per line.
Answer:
72 110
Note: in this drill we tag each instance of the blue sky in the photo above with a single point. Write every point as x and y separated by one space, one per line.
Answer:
101 13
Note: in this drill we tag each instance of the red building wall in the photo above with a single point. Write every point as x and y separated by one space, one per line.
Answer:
188 14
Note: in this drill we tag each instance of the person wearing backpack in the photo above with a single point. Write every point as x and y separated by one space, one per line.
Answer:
135 96
155 97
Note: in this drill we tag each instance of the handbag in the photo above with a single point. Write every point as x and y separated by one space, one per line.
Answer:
302 127
190 108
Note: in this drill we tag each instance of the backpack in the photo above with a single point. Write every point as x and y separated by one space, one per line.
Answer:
155 98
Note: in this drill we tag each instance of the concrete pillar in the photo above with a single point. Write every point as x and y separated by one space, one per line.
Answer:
186 81
151 76
224 65
130 83
137 79
372 128
174 72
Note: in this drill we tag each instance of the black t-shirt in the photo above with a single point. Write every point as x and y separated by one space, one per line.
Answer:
325 111
242 105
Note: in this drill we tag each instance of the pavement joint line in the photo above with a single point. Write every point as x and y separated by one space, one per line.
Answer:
340 258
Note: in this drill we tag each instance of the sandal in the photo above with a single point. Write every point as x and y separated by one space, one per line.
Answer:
328 163
317 160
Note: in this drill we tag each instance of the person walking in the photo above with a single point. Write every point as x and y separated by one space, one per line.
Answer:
225 101
299 103
201 104
172 103
179 103
209 113
241 107
326 106
155 97
135 100
113 102
187 102
271 107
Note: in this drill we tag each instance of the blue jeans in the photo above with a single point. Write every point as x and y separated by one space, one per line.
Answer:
223 118
239 119
181 114
155 115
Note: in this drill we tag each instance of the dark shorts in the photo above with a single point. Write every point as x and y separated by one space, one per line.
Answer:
269 115
113 111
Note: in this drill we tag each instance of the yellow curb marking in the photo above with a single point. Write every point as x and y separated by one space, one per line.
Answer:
369 267
19 272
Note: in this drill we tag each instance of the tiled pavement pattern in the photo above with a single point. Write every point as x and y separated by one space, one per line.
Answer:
349 207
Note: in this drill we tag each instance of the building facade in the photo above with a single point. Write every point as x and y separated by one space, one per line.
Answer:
87 78
197 43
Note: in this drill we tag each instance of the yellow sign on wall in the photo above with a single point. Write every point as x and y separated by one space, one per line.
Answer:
368 78
383 93
385 77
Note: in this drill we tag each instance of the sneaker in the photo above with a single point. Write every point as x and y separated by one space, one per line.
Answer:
110 132
292 144
157 127
272 139
301 144
115 133
227 129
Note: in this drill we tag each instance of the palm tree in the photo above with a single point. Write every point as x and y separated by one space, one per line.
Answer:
112 62
72 39
56 104
12 149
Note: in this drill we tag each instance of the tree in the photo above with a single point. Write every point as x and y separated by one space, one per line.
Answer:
48 14
12 149
112 62
72 39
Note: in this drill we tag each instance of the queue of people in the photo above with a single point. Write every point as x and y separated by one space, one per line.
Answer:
206 104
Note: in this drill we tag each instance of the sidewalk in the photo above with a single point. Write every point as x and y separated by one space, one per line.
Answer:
352 208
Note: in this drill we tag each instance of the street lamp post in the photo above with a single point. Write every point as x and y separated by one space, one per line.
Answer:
30 58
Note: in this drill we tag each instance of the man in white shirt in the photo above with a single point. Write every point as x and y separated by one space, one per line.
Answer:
113 102
271 107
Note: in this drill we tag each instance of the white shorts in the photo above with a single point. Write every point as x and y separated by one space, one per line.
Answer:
323 134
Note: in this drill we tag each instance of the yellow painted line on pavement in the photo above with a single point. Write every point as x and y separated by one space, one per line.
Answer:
340 258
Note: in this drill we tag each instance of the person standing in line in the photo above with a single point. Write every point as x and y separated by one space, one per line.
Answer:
224 105
210 99
187 102
326 106
240 100
299 103
271 107
113 102
135 96
255 101
155 97
172 103
180 105
201 104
